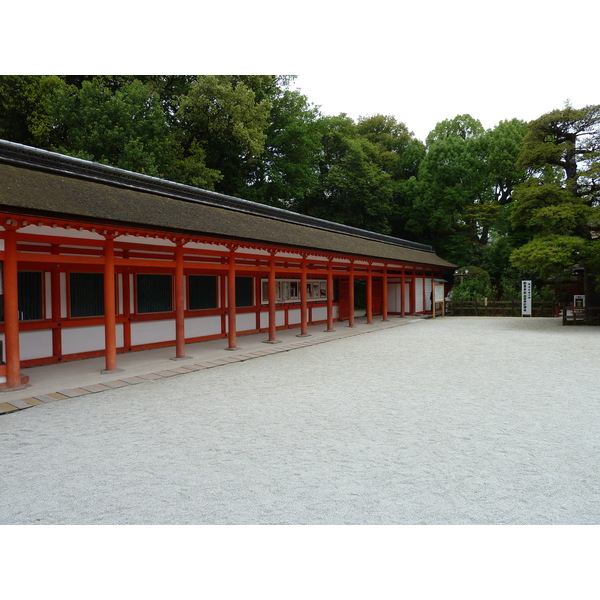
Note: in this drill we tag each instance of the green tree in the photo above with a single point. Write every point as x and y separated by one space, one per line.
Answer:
471 283
287 171
558 204
355 185
223 121
460 199
122 126
24 117
452 180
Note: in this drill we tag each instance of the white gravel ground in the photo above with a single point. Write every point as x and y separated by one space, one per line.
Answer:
445 421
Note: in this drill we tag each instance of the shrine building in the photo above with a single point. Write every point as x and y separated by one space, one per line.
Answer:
98 261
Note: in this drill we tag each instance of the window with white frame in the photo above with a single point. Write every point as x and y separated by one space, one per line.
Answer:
288 290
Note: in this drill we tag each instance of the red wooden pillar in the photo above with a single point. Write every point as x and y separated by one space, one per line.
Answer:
110 309
424 293
330 295
231 318
369 295
402 293
179 302
11 310
303 301
272 302
384 297
127 306
351 296
56 316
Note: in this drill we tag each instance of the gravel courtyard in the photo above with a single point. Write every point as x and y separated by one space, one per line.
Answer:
446 421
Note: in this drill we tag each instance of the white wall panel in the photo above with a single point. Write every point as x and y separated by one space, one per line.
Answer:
280 318
406 298
418 294
294 316
246 322
319 314
202 326
35 344
151 332
264 319
86 339
393 290
120 307
48 294
63 296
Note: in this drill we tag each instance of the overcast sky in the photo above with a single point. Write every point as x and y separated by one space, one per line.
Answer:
432 61
419 61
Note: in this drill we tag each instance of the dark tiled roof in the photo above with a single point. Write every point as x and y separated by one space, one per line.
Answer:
35 181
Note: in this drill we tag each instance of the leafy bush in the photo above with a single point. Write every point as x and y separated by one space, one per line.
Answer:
471 284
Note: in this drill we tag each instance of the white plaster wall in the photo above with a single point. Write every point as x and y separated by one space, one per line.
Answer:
75 234
63 295
407 298
48 294
264 319
393 291
150 332
86 339
246 322
319 314
201 326
294 316
120 308
418 294
35 344
131 295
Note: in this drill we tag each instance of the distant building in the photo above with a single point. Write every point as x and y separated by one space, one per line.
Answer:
98 261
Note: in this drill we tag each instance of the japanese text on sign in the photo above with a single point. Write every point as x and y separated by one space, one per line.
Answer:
526 298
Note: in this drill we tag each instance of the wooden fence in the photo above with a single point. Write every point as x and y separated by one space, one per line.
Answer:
501 308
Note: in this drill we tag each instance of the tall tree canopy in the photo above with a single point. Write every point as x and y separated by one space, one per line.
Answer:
360 170
465 179
559 201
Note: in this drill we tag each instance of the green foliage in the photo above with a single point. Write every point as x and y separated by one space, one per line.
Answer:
125 128
23 115
558 202
472 283
224 117
551 254
462 126
287 170
360 172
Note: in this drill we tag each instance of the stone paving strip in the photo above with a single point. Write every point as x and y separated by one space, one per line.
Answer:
22 404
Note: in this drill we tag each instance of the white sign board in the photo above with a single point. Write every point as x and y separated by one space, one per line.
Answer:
439 292
526 303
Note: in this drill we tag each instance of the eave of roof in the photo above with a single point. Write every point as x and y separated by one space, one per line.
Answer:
49 183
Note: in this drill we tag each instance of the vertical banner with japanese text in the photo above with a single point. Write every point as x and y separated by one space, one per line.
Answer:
526 303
